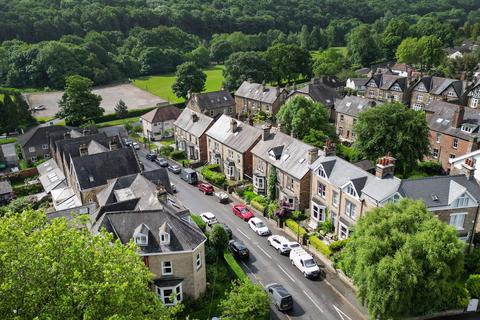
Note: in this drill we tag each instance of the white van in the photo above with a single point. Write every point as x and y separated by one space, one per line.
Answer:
304 262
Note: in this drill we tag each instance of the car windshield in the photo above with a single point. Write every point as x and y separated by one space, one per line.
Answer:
240 245
309 263
244 210
260 224
294 245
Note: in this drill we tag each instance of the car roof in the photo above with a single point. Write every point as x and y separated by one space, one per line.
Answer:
239 206
208 214
280 238
282 292
255 219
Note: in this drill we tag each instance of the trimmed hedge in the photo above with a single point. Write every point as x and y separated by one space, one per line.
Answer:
257 205
114 116
199 222
178 155
292 225
234 266
217 178
320 246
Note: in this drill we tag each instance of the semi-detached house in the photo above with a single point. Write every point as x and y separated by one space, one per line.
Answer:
429 89
387 87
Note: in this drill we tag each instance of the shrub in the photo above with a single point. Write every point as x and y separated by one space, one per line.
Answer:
326 226
234 266
257 205
292 225
320 246
218 237
216 178
130 114
472 262
249 195
260 199
298 215
430 167
166 151
199 222
473 285
349 153
338 245
213 167
178 155
27 189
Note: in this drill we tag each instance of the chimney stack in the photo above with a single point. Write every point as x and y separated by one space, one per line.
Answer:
385 167
329 148
458 115
312 155
469 168
233 125
266 131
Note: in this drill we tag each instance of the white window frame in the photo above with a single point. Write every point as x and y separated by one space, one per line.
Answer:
417 107
455 143
350 209
474 102
198 261
456 218
178 296
164 238
322 173
47 156
231 171
318 212
341 235
321 189
31 149
420 98
438 137
350 189
335 199
435 153
165 268
141 239
259 182
45 146
462 201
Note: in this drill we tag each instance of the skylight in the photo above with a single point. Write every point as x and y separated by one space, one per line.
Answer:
301 160
439 120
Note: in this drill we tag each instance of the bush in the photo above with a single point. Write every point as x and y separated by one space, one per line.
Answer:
199 222
349 153
213 167
166 151
473 285
325 226
130 114
218 237
298 215
217 178
178 155
472 262
260 199
257 205
27 189
234 266
430 167
338 245
292 225
320 246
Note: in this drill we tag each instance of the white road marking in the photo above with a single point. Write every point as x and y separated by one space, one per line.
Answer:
313 301
269 256
243 234
341 313
289 276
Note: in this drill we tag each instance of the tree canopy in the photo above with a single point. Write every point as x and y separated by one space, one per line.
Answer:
14 110
243 66
405 262
328 63
288 62
425 52
189 78
246 301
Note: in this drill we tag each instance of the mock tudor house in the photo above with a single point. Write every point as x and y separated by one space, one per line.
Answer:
291 159
346 115
319 92
454 131
158 123
229 144
387 87
251 98
431 88
212 104
190 134
171 247
34 144
474 96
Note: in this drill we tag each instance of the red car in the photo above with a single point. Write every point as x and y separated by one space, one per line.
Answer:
205 188
242 211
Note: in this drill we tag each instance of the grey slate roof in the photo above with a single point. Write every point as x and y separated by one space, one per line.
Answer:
241 140
258 92
183 236
359 82
213 100
71 147
39 135
437 85
5 187
94 170
319 92
443 115
293 157
386 81
162 114
353 105
186 122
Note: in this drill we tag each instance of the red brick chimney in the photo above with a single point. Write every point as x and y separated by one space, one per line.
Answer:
458 115
469 168
385 167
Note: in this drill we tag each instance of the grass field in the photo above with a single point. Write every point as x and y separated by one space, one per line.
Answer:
343 50
117 122
161 85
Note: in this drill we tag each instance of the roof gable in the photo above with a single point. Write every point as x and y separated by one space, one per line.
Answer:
162 114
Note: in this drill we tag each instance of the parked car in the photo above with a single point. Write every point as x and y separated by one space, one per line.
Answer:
151 156
280 243
294 245
221 196
189 175
305 263
227 230
258 226
162 162
174 168
209 218
280 296
242 211
173 187
40 108
135 145
238 249
205 188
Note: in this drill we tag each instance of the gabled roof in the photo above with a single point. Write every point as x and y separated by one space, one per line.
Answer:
241 140
319 92
353 105
443 115
386 81
476 86
39 135
162 114
437 85
193 122
359 81
71 147
258 92
212 100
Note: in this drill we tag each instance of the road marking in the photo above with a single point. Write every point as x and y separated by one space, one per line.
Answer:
341 313
244 234
269 256
313 301
286 273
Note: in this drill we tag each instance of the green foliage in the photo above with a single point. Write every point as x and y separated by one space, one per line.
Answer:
199 56
15 112
165 151
199 222
257 205
69 273
392 127
319 245
219 238
328 63
349 153
19 204
426 51
404 261
288 62
362 47
473 285
292 225
272 183
466 63
220 51
472 262
244 66
246 301
121 109
27 189
234 266
190 78
178 155
338 245
8 140
325 226
430 167
213 176
298 215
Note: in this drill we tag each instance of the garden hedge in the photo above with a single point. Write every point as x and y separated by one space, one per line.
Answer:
320 246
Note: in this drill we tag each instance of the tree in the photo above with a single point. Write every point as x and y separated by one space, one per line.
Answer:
473 285
219 238
362 47
243 66
272 183
121 109
304 38
200 56
68 273
289 62
431 52
246 301
398 261
408 51
328 63
78 103
299 115
393 128
189 78
220 51
465 63
396 30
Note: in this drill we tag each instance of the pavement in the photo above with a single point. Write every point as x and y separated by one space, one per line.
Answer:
313 299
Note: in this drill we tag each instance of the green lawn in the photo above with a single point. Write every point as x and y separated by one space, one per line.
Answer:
161 85
8 140
343 50
117 122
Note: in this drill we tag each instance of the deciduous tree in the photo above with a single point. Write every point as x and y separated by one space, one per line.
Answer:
328 63
362 47
246 301
242 66
189 78
289 62
121 109
218 237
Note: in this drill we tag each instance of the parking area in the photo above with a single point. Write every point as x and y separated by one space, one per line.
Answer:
134 98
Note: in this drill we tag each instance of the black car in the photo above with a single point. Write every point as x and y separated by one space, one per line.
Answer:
162 162
238 249
151 156
227 230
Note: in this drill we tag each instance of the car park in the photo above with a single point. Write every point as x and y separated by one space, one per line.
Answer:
242 211
238 249
258 226
162 162
209 218
151 156
280 243
205 188
280 296
305 263
174 168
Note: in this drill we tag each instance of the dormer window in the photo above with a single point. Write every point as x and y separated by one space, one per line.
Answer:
164 234
462 201
351 190
322 173
141 240
468 128
140 235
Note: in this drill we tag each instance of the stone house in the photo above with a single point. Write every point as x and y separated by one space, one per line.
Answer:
387 87
431 88
190 134
357 84
346 115
474 96
251 98
212 104
158 123
319 92
453 131
34 144
457 165
291 159
229 144
171 247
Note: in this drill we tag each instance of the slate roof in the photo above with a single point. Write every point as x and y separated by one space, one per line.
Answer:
258 92
437 85
212 100
186 122
162 114
359 82
294 153
443 115
71 147
241 140
475 86
5 187
353 105
94 170
319 92
386 81
183 235
39 135
67 213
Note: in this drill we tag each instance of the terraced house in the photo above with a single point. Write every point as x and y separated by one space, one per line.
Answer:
474 96
212 104
430 88
346 115
387 87
251 98
229 144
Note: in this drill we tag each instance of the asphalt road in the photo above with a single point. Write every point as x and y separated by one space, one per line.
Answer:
313 300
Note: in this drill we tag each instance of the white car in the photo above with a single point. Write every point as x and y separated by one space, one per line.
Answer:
305 263
258 226
135 145
294 245
209 218
280 243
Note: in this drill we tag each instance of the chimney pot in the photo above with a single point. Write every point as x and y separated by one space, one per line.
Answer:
266 131
312 155
385 167
233 125
469 168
